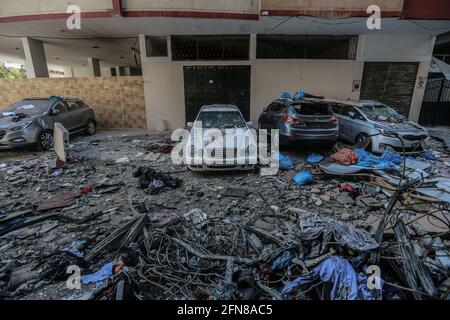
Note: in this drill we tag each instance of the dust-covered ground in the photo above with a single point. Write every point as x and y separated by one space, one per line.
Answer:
107 190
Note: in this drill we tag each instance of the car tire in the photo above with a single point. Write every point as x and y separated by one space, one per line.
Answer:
361 137
45 140
91 128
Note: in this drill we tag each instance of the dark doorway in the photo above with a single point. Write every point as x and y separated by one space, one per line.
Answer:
436 101
391 83
205 85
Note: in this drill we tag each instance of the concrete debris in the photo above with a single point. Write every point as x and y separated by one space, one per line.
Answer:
150 229
61 142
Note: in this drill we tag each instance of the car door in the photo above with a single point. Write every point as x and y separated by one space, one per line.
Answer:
345 122
274 115
264 118
76 114
337 109
60 113
358 124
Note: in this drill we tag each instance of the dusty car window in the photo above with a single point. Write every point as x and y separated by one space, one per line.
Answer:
29 107
379 112
59 108
309 109
217 119
73 106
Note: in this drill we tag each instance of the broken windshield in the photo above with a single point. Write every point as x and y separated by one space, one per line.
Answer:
28 107
380 112
308 109
221 119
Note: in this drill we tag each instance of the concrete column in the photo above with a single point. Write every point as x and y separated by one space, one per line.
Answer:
94 67
252 53
36 63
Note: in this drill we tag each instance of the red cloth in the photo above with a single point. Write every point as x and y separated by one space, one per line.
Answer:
345 157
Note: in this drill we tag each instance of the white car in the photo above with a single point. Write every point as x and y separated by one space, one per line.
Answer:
220 139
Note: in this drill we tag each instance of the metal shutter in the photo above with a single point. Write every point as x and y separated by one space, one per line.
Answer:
390 82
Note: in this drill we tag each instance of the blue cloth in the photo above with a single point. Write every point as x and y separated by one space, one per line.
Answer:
428 155
75 248
298 95
303 178
314 158
285 95
282 261
347 284
286 162
393 157
98 277
369 160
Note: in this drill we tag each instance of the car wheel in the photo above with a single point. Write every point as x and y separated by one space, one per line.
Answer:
45 140
91 128
361 137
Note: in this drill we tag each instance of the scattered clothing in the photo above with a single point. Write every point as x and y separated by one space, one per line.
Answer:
345 157
98 277
303 178
393 157
159 148
282 261
354 192
314 158
347 284
155 181
286 162
369 160
318 227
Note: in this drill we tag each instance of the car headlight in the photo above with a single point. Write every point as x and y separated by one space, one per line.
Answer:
386 132
21 126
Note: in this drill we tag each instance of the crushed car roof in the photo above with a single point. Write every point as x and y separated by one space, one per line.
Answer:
219 107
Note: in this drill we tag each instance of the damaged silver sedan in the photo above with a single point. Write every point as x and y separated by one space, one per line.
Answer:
31 121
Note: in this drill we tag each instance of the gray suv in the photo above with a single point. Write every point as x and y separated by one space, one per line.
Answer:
359 120
31 121
302 120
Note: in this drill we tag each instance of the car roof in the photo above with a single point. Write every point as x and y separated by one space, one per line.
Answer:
355 103
288 102
35 98
219 107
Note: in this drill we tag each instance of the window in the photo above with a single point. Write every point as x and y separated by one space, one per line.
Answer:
275 107
310 109
351 112
213 119
156 46
210 47
59 108
306 47
73 106
336 108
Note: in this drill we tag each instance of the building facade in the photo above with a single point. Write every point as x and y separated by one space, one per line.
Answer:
197 52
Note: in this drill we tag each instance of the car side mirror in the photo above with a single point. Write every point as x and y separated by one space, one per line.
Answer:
250 124
189 124
352 115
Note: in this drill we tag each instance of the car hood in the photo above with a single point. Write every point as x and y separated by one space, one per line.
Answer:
7 121
400 126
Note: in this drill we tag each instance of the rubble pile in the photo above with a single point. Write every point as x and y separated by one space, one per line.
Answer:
342 224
